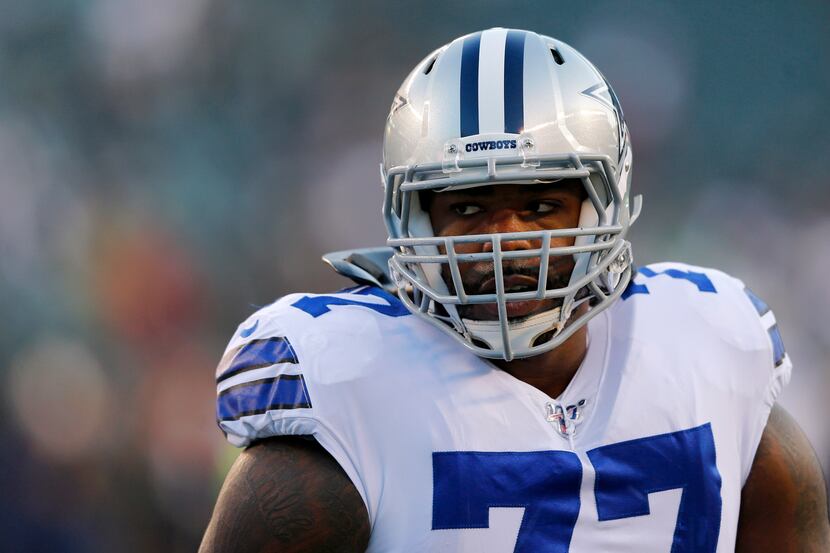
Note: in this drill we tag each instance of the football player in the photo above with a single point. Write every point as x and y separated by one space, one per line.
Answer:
502 378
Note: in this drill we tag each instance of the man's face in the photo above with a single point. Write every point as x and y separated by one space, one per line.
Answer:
508 208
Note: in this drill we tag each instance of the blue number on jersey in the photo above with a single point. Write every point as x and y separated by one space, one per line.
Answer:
628 471
698 279
546 483
319 305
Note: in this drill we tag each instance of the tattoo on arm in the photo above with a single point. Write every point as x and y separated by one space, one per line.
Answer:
287 494
784 500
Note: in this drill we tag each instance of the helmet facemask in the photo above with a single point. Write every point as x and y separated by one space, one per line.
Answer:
428 269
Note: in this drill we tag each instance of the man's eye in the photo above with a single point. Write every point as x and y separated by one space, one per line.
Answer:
466 209
544 206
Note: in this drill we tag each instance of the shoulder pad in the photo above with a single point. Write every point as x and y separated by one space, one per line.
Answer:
260 385
364 266
722 301
265 380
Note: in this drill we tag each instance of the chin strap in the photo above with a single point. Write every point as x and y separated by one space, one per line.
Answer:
522 333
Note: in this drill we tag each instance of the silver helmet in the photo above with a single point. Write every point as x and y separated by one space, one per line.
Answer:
507 106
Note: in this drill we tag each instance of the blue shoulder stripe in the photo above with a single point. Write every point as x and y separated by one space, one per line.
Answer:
760 306
256 354
778 351
287 391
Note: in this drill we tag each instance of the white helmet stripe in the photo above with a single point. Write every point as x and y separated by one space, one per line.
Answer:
491 82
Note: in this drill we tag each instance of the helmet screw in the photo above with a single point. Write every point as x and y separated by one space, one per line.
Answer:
527 143
452 149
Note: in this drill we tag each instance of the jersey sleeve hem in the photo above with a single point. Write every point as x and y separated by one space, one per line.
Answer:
247 429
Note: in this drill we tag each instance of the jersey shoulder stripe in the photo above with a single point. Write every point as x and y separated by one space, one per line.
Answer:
779 353
283 391
254 355
259 381
259 376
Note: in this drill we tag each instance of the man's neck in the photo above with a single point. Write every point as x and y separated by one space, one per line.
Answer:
552 371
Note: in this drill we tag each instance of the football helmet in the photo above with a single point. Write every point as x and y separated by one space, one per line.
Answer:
507 106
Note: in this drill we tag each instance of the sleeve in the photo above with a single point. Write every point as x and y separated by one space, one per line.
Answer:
779 370
260 387
262 392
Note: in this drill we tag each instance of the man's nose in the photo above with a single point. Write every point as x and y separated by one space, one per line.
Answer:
504 221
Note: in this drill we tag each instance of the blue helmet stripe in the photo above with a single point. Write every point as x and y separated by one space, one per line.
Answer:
514 59
469 85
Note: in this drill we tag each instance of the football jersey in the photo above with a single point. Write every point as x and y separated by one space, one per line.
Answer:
646 450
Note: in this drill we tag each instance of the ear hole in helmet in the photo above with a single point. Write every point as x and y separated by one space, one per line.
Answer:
542 338
557 57
481 343
429 65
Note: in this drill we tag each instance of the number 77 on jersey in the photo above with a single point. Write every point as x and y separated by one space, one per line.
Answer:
466 484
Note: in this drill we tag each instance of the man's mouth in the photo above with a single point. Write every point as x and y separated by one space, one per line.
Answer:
512 283
481 279
517 309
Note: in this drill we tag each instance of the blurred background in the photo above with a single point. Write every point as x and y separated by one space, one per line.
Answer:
166 167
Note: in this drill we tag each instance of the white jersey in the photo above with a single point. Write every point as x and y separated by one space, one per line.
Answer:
645 451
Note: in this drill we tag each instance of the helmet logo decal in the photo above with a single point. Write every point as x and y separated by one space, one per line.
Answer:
601 92
492 95
397 104
490 145
604 94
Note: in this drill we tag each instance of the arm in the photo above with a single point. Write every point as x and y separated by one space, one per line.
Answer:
289 495
784 500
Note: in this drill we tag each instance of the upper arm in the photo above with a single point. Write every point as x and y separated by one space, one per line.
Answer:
289 495
784 501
